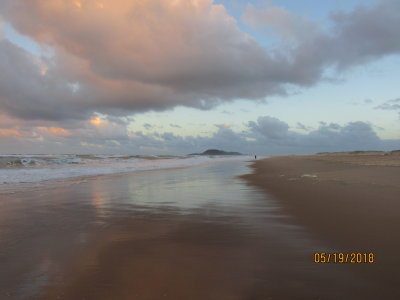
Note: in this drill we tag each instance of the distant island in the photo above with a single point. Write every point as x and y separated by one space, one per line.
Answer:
216 152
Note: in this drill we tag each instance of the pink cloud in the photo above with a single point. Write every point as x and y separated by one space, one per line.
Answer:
127 56
10 133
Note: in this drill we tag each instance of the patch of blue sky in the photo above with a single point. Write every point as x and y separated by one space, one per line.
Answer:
25 42
236 9
318 11
315 10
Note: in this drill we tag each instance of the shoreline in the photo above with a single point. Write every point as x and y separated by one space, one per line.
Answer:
190 233
11 188
344 201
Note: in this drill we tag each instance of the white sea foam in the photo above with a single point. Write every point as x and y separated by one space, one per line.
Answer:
37 168
309 175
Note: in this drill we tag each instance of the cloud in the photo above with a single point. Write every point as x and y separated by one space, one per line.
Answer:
27 94
111 60
2 33
148 126
269 127
10 133
393 104
273 136
127 57
266 135
363 102
224 125
301 126
227 112
356 37
139 55
288 26
353 136
33 136
366 33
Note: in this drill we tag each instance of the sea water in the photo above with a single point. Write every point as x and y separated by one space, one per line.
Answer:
17 168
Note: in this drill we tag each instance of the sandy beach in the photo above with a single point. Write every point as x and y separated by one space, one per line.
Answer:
204 233
199 150
351 202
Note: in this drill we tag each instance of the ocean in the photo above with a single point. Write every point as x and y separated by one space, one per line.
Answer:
17 169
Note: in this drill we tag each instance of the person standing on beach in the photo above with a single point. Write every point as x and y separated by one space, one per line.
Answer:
255 156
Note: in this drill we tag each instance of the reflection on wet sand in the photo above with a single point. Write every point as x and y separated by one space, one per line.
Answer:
195 233
98 199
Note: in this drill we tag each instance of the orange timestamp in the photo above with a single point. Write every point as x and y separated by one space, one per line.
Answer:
340 258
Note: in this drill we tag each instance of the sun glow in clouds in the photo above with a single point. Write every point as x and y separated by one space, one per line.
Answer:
43 68
78 4
97 122
10 133
56 131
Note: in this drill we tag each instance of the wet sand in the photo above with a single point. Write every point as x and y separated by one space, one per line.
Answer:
194 233
350 202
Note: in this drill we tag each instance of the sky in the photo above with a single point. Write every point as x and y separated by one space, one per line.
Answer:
182 76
